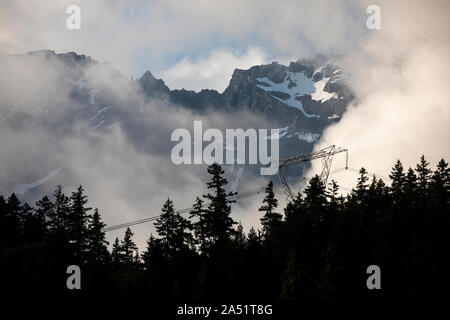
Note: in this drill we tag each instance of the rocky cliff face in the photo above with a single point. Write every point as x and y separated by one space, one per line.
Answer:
306 95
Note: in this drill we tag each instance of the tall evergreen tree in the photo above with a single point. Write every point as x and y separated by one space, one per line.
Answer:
441 184
333 191
239 237
217 215
44 209
442 174
398 178
97 250
411 183
335 199
315 194
127 248
361 186
78 223
154 255
253 239
293 206
116 253
271 220
199 225
316 204
423 177
57 235
58 216
172 228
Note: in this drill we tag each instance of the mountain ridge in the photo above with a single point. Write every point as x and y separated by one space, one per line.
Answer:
301 99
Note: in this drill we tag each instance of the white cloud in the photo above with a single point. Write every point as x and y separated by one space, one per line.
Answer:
138 35
401 79
213 71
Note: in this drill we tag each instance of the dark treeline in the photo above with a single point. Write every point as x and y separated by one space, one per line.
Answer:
317 249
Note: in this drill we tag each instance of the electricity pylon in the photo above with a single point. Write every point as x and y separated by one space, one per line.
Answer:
325 154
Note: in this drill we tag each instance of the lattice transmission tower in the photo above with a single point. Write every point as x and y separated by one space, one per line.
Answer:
325 154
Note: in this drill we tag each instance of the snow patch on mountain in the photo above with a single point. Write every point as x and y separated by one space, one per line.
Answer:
281 133
334 116
305 136
319 69
24 188
320 94
294 85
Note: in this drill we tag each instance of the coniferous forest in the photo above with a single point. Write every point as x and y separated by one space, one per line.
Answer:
316 249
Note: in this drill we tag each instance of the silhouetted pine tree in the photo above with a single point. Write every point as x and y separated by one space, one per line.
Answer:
239 238
423 177
315 198
137 259
58 217
411 182
360 192
116 253
254 240
96 247
333 191
296 222
271 220
173 229
199 225
154 255
398 178
77 219
317 206
127 249
315 226
217 214
441 176
57 235
440 185
44 209
292 207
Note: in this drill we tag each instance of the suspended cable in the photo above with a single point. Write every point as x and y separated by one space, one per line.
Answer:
241 196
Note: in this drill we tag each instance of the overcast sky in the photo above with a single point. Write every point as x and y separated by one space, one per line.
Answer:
191 44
